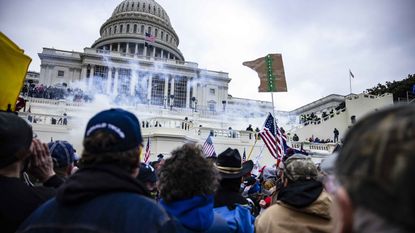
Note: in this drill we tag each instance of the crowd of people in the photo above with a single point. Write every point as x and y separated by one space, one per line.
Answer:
363 187
54 92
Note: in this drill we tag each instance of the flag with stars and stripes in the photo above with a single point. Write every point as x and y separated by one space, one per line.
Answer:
208 148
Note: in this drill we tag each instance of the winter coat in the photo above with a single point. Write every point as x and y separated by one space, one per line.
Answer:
102 198
196 215
19 200
304 208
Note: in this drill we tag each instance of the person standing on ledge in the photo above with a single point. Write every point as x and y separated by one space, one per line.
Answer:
336 135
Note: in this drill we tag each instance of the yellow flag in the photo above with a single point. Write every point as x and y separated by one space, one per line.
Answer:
13 67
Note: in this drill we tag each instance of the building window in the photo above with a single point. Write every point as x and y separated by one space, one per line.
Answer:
124 81
157 91
61 73
121 26
161 35
167 37
100 78
180 90
212 106
115 29
149 30
142 29
128 28
135 28
156 32
212 91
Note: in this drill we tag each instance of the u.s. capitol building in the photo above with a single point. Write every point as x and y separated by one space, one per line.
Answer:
137 55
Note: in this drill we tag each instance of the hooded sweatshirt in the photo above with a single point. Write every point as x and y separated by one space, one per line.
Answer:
196 214
302 207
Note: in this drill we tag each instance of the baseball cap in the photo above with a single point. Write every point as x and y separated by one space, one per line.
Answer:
123 125
15 135
376 164
300 167
62 152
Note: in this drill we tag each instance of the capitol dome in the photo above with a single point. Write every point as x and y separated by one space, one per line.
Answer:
142 28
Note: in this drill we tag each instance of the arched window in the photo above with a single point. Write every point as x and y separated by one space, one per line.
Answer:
128 28
156 32
121 26
149 8
138 5
115 29
135 28
158 10
142 29
149 30
132 6
167 37
126 8
162 34
144 6
154 9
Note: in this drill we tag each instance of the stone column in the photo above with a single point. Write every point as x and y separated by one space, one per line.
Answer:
127 48
161 54
188 92
42 77
150 84
119 47
109 80
115 91
154 51
145 51
110 47
166 86
172 86
136 49
91 77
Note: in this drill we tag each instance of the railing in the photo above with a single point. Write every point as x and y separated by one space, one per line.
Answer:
45 119
314 147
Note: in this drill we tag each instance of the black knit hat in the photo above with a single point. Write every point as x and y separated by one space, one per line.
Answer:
15 135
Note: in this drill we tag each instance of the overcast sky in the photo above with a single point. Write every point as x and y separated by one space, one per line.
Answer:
320 40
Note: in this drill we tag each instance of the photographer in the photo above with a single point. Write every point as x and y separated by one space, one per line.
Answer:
20 154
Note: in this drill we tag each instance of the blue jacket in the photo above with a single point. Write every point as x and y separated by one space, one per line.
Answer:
240 219
100 199
196 215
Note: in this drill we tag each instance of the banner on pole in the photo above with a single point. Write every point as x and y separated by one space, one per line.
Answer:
270 71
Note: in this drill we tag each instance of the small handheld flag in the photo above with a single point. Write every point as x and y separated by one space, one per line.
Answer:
147 154
208 148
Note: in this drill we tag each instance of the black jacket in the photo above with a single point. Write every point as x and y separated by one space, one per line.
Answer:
18 200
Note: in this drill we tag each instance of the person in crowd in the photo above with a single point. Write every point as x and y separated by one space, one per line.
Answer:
63 157
187 184
20 154
147 175
302 206
104 195
336 135
229 201
374 173
250 129
295 138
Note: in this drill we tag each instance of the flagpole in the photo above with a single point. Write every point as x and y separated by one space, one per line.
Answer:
350 81
275 124
252 148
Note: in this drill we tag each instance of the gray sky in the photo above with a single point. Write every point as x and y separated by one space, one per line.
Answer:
319 39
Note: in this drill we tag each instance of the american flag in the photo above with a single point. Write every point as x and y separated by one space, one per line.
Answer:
150 38
273 141
208 148
147 154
